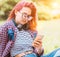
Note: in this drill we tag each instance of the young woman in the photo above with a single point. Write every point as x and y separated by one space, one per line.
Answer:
18 36
18 33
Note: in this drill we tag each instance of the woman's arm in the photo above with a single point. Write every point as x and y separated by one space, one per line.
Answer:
37 45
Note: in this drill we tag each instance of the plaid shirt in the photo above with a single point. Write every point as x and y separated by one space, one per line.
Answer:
5 43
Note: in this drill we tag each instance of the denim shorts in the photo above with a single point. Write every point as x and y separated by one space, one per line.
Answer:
30 55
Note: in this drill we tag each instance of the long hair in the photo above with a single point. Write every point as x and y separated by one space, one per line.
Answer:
19 6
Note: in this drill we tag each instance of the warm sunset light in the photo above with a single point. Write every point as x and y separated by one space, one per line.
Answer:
55 4
49 9
55 9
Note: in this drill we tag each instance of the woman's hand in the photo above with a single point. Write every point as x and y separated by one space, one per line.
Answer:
37 43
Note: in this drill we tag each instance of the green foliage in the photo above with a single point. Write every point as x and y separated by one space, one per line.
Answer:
5 7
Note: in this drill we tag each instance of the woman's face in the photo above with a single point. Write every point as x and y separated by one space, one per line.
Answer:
23 16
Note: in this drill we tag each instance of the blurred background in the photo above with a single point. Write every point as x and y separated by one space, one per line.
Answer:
48 20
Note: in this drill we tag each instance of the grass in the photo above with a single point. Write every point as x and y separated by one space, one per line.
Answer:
51 31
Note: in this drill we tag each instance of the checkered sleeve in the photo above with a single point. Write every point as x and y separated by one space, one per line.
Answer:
5 44
7 49
3 39
0 43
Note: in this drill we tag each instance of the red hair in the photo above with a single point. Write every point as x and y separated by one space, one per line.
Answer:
19 6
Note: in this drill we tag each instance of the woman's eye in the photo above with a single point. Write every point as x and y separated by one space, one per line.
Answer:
24 15
28 16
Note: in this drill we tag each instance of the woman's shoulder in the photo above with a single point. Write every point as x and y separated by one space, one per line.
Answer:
3 27
6 25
